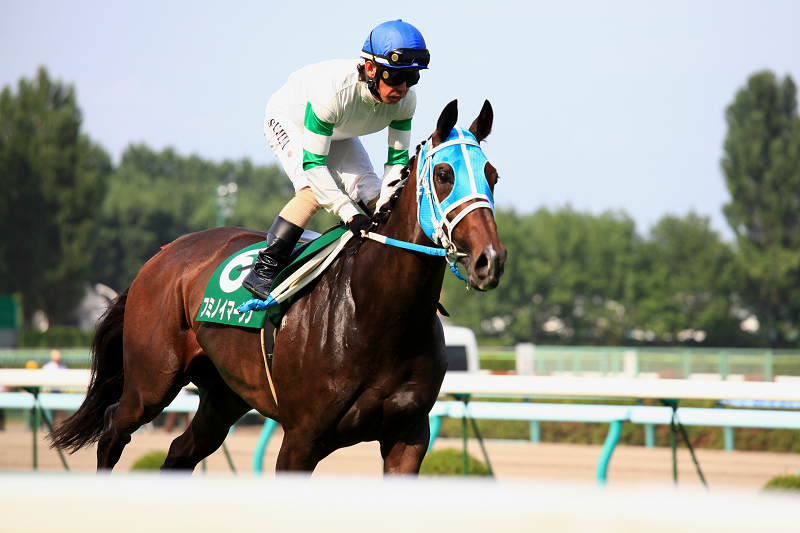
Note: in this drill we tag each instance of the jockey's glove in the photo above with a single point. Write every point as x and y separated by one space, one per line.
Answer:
357 223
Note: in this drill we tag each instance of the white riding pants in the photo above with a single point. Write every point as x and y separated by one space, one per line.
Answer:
347 162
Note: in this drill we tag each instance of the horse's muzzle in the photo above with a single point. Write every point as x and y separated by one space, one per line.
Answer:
487 268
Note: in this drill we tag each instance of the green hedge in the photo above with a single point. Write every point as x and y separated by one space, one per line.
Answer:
788 483
55 337
450 462
150 461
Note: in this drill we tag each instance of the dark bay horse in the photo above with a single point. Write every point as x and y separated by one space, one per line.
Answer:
360 355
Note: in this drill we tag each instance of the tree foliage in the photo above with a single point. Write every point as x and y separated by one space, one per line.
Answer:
762 173
684 285
155 197
577 278
53 181
563 278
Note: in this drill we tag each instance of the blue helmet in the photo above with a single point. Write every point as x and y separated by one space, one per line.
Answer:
396 44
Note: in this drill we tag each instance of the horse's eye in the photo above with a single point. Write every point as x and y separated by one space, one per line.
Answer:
442 177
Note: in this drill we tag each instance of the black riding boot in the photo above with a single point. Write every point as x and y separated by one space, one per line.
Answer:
282 238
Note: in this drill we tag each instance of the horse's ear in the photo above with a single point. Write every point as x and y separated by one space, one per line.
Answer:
482 126
447 120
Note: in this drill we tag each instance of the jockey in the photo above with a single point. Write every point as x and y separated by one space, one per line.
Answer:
313 123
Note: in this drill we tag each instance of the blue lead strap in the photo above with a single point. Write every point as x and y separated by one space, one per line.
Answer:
454 268
409 245
430 250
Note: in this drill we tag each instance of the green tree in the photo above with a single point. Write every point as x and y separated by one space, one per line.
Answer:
684 286
155 197
53 180
762 173
262 192
563 282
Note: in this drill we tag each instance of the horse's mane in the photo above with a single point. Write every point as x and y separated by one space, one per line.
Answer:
383 214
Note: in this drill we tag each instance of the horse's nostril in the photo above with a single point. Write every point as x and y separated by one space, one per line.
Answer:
482 262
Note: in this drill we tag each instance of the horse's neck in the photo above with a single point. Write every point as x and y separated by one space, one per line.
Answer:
411 275
402 224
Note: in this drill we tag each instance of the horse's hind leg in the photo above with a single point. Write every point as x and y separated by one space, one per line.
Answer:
144 396
219 409
125 417
111 444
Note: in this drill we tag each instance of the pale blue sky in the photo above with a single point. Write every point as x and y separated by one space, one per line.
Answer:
603 104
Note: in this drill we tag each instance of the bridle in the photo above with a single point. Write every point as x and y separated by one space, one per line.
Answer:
463 153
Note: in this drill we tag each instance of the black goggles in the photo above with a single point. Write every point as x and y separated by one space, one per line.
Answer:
395 77
406 57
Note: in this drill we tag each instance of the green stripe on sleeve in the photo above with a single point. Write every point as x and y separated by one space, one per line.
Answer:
397 157
401 125
315 124
314 160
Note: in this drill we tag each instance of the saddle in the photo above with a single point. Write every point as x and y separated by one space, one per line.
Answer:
224 291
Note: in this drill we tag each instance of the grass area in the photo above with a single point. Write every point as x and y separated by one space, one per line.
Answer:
450 462
783 484
150 461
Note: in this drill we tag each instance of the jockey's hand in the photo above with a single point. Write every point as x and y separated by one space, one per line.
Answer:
357 223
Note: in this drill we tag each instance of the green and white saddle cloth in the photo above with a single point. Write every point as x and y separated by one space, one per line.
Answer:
224 291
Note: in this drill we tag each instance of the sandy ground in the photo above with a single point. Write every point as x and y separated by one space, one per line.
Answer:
511 460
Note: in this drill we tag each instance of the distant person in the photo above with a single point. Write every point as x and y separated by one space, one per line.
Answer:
55 363
31 365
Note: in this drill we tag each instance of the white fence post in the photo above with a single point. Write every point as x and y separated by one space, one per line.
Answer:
526 360
630 363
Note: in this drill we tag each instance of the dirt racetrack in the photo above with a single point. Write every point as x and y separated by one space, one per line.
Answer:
737 470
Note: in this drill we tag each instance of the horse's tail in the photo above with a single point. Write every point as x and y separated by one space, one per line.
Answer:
105 388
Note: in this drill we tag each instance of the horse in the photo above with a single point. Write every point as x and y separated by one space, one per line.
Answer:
359 356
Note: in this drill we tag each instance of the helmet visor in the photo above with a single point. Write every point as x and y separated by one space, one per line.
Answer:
409 57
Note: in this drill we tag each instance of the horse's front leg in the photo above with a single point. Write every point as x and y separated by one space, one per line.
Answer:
405 455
